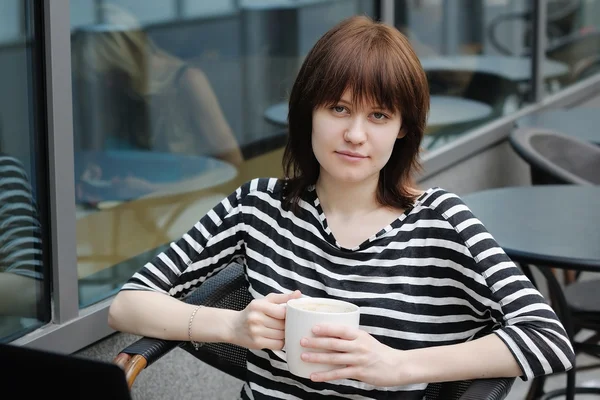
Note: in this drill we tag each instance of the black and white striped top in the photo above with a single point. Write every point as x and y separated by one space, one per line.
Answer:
433 277
20 230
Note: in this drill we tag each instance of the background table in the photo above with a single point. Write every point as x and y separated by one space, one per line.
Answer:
158 175
444 110
513 68
552 225
582 123
113 242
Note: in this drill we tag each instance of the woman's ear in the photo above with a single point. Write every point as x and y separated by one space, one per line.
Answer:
401 134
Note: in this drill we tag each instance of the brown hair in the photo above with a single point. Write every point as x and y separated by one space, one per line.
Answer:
378 65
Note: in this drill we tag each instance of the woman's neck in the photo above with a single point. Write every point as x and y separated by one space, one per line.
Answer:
347 199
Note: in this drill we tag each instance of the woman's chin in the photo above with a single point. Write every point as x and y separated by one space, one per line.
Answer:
352 178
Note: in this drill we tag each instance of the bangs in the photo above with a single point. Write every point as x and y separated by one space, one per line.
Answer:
372 76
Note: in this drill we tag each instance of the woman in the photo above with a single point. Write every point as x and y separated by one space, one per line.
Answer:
436 291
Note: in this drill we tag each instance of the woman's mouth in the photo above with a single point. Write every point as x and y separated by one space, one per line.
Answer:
350 156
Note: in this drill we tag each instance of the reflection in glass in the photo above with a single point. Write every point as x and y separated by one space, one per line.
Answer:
24 300
475 58
573 39
21 278
169 117
143 97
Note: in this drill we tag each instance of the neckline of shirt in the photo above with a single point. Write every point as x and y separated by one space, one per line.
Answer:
330 238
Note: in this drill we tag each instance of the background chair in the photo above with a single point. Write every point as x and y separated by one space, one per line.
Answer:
556 158
228 289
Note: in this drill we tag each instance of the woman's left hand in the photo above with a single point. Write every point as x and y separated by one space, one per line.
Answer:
359 355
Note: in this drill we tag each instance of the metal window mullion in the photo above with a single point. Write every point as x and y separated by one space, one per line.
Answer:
538 49
387 12
57 49
179 9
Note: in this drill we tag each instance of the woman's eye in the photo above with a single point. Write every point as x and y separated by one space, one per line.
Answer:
338 109
379 116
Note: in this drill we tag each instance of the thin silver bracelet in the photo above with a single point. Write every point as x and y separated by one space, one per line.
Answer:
196 345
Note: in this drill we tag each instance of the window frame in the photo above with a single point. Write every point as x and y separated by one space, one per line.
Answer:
71 328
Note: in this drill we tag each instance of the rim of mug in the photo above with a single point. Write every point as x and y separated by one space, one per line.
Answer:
323 300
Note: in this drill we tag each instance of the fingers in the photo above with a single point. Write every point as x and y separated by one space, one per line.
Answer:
282 298
274 323
261 313
336 331
341 359
341 373
267 333
328 343
274 301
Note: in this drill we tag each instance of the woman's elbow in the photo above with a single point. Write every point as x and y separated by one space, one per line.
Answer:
117 311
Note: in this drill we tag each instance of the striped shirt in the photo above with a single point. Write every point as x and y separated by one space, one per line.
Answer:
432 277
20 230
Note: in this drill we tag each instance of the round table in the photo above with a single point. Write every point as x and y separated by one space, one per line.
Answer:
551 225
444 110
582 123
510 67
108 178
450 110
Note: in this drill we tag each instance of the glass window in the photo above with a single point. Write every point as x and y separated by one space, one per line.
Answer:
171 117
474 54
24 279
573 31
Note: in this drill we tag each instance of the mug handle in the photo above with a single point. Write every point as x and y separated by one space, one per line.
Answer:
281 353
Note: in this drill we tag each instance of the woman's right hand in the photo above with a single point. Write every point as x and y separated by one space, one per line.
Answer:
261 325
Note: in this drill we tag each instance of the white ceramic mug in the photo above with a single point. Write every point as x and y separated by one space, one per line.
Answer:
301 316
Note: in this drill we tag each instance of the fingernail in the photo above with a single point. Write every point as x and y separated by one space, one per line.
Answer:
316 329
304 342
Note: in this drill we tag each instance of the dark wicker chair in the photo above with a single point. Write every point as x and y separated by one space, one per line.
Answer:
228 289
557 158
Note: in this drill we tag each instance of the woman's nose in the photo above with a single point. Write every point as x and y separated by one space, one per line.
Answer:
356 131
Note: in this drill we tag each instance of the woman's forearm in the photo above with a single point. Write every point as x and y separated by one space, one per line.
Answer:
158 315
487 357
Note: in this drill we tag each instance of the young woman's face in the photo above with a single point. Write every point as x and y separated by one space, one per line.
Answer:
353 143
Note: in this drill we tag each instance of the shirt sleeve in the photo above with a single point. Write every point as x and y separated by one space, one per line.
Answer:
527 324
206 248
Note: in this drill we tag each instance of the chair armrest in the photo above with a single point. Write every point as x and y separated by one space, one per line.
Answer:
488 389
145 351
140 354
